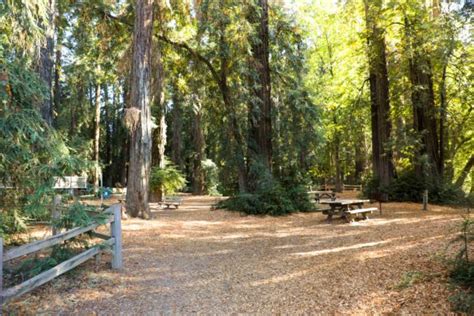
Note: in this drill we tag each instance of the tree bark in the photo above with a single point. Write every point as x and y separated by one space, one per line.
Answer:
159 134
109 124
198 141
140 98
177 126
57 83
423 103
359 165
379 96
46 64
260 109
97 137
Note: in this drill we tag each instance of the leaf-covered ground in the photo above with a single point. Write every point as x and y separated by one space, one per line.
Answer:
195 260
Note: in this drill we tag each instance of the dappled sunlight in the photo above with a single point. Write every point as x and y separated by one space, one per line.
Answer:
200 223
339 249
279 278
197 257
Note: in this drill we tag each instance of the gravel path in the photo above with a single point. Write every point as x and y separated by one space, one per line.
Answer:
194 260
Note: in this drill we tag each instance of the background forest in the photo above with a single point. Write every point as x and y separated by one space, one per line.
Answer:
247 98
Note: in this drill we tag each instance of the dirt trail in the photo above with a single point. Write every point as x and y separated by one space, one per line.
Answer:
194 260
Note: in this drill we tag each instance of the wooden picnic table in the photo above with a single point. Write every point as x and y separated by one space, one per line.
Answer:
318 195
344 207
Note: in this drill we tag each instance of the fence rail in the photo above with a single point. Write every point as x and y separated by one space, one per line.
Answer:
114 241
332 187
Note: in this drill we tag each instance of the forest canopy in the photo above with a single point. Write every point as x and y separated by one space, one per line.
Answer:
255 99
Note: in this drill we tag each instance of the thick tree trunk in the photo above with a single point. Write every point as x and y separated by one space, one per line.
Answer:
423 103
424 114
140 98
260 112
46 64
379 96
97 138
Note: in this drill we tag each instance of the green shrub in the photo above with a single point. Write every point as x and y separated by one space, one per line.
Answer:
409 187
211 177
271 197
462 269
79 215
169 179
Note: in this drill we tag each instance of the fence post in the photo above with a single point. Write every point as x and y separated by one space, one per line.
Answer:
55 212
1 275
425 200
116 232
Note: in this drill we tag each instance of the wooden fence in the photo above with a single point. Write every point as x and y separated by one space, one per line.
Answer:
114 241
332 187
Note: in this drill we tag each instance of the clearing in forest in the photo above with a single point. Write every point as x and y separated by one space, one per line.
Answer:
197 260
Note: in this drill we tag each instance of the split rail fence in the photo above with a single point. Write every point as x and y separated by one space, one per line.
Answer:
114 241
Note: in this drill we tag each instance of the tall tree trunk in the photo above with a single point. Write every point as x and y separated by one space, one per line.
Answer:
140 123
260 110
379 95
177 126
337 160
359 158
230 108
443 111
108 124
423 103
57 83
198 141
81 95
159 134
46 64
97 138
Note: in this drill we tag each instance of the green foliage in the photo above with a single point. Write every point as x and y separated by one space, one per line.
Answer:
169 179
409 187
409 279
79 215
271 197
462 268
211 177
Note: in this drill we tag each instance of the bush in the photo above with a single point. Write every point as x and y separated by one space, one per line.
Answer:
271 197
462 269
169 179
409 187
211 177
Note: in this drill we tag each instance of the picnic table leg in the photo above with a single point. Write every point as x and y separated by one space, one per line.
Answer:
330 213
345 214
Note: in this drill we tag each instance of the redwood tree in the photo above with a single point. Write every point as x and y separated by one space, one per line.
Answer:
138 115
260 111
379 95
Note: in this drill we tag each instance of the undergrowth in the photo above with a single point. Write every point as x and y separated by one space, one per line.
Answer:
271 197
77 215
461 267
408 187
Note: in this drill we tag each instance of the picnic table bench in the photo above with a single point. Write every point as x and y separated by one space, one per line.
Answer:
347 208
318 195
172 201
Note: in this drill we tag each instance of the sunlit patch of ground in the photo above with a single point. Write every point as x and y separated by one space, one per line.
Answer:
194 260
